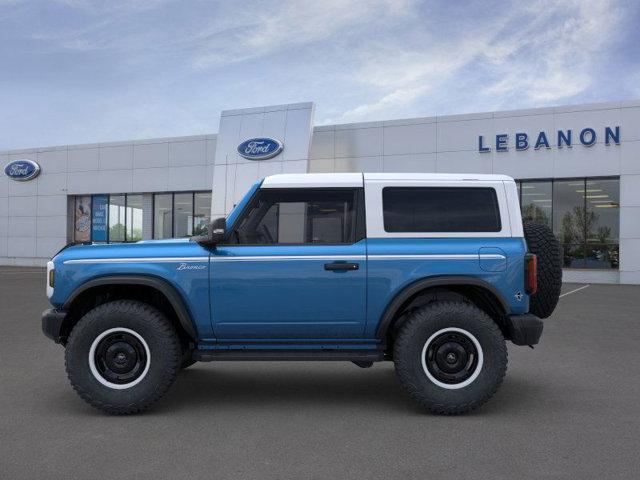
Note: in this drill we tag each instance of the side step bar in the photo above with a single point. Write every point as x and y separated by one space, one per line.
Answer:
291 355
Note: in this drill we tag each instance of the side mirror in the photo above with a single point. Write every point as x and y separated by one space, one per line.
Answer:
215 233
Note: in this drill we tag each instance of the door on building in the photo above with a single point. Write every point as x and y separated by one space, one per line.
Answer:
293 266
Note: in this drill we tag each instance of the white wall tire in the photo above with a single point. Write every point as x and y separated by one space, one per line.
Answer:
445 327
149 342
94 369
477 367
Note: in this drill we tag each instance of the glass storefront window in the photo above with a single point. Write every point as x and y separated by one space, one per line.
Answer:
117 218
603 210
584 215
201 212
603 223
134 218
108 218
568 211
162 215
183 215
536 202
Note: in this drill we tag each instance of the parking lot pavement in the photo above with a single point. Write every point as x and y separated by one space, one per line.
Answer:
568 409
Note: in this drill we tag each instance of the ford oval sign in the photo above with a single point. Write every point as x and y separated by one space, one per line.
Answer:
22 170
260 148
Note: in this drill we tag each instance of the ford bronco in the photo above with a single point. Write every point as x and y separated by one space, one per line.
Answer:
434 272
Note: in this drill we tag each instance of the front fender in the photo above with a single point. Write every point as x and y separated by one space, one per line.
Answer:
176 300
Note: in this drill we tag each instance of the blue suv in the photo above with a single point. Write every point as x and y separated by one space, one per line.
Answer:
431 271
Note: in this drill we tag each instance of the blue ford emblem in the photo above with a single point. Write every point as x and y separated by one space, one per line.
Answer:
260 148
22 170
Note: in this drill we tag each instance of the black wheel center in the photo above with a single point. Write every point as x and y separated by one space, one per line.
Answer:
451 357
120 357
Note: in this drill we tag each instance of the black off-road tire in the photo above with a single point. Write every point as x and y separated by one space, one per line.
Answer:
542 242
424 325
145 322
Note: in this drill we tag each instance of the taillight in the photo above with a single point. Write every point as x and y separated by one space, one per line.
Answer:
530 273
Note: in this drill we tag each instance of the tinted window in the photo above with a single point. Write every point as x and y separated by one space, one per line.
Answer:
440 209
312 216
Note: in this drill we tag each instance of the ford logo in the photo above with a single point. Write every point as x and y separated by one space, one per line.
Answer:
22 170
260 148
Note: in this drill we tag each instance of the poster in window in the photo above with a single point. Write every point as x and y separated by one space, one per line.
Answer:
82 219
99 214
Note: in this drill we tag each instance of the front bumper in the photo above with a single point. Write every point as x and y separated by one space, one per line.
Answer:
52 322
524 329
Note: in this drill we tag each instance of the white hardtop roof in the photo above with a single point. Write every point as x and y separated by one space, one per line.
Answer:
292 180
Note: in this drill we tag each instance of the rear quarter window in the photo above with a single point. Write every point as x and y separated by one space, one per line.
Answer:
440 209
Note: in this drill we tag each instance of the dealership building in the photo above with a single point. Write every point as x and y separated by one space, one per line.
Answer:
577 168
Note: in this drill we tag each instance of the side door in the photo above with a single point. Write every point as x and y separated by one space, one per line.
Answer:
293 266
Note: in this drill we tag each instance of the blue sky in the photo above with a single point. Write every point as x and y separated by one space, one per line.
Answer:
76 71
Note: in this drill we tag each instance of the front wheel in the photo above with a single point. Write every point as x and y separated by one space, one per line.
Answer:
122 356
451 357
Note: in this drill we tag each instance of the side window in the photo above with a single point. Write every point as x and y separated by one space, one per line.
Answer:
440 209
297 216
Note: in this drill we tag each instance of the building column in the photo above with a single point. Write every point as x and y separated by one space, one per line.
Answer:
629 229
233 175
147 216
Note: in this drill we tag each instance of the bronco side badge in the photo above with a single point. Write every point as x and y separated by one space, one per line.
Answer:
186 266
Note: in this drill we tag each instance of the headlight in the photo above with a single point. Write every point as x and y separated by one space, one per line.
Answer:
50 278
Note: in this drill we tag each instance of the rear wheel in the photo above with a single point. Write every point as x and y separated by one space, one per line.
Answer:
542 242
450 357
122 356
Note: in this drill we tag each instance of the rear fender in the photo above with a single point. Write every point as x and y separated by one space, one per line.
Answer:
402 299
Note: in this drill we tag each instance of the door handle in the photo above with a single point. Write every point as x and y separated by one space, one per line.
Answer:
341 266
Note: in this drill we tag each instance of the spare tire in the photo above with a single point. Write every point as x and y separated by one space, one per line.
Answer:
542 243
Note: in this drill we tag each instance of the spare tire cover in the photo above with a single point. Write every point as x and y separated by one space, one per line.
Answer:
542 243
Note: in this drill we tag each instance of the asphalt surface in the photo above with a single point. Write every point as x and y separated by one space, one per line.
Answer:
568 409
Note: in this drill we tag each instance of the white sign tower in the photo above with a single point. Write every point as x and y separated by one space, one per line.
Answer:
233 174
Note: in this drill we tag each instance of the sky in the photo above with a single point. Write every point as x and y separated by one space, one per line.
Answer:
80 71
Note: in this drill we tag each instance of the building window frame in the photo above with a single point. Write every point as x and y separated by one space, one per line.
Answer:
173 210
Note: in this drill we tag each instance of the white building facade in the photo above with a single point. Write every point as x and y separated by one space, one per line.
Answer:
578 169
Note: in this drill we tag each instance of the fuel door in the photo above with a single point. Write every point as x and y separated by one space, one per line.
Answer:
492 259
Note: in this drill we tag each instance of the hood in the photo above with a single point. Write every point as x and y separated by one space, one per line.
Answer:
179 247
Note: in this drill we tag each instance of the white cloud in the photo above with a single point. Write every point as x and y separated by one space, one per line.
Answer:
122 69
542 52
397 98
554 63
291 23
